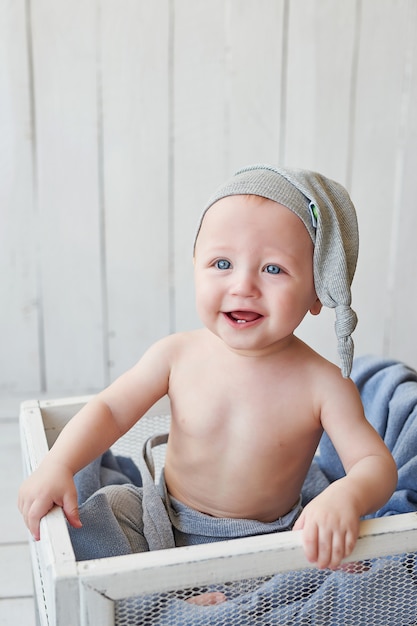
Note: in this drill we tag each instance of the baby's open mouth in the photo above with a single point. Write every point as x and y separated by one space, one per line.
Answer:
243 317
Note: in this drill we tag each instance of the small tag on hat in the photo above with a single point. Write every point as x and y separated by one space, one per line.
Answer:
313 214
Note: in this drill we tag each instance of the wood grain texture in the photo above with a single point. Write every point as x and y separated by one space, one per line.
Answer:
20 305
118 121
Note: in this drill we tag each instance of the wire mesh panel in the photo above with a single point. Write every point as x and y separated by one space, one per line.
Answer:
382 592
131 444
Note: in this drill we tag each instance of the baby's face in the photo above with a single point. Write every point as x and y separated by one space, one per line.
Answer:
253 273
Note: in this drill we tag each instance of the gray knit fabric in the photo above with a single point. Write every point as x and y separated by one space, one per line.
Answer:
327 212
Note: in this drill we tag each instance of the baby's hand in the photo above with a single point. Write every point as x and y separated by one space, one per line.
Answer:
330 525
51 484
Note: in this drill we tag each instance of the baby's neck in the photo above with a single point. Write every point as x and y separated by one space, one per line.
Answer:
277 350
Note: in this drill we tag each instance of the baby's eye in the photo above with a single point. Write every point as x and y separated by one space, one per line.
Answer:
272 269
223 264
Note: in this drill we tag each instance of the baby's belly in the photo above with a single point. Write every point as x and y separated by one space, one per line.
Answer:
242 497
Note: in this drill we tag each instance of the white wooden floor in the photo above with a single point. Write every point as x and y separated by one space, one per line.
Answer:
16 590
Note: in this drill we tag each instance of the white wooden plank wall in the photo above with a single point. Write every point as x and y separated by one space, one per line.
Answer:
117 121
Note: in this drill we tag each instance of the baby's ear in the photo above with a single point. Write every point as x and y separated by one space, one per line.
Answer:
316 308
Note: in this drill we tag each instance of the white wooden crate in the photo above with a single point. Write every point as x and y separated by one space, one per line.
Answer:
266 579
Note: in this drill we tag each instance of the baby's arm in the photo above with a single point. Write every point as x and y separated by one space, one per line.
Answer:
90 433
330 522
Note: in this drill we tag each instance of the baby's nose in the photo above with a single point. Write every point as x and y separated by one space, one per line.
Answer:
245 284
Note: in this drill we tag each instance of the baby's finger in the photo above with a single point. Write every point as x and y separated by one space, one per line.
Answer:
343 545
350 541
337 551
325 548
310 538
23 503
70 508
37 510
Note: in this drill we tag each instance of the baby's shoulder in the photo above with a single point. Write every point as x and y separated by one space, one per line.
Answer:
181 343
323 375
331 387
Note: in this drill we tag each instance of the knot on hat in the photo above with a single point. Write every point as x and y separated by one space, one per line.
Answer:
346 320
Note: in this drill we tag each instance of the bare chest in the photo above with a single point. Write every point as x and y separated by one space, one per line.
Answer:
247 406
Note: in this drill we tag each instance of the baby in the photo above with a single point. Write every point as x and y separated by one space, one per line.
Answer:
249 400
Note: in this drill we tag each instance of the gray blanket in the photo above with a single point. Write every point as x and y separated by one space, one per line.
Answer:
101 535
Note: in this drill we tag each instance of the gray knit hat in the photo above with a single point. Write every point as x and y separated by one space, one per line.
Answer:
327 212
